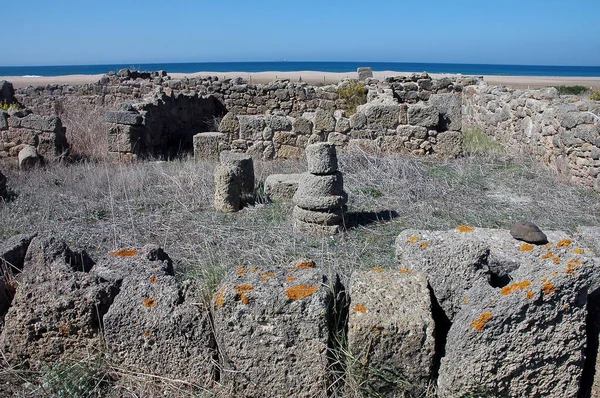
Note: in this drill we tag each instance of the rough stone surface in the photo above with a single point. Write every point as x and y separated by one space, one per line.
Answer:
528 232
449 106
13 251
155 325
423 115
325 217
320 192
324 121
244 168
364 73
321 158
448 144
124 117
209 145
319 230
229 124
228 192
58 306
28 157
281 186
7 92
390 328
525 339
590 237
272 330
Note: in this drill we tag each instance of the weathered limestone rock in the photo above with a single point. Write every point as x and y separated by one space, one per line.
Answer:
326 217
234 181
12 257
272 331
229 124
364 73
320 192
321 158
381 115
302 126
448 144
449 107
155 325
528 232
7 92
251 127
28 157
590 237
324 121
209 145
281 186
525 339
58 306
124 117
423 115
390 329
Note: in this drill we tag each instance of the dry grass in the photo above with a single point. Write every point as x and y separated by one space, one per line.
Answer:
102 208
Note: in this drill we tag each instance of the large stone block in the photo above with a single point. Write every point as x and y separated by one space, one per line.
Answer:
390 330
281 186
279 123
272 330
229 124
251 127
381 116
7 92
124 138
209 145
50 124
448 144
449 106
423 115
124 117
324 121
302 126
526 338
364 73
320 192
155 325
321 158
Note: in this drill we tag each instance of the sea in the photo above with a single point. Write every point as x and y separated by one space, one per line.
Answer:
285 66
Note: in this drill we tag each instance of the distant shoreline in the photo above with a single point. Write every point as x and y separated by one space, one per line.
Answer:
315 77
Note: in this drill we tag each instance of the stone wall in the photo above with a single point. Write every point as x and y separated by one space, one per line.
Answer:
562 131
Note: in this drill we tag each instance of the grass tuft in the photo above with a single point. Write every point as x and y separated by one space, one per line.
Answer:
571 90
354 94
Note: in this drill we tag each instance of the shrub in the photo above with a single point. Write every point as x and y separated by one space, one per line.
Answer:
354 94
476 142
571 90
595 96
5 106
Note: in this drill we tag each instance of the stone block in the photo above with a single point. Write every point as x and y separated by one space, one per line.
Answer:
3 120
302 126
448 144
50 124
321 158
281 186
7 92
272 331
208 146
325 217
364 73
124 117
124 138
390 329
324 121
229 124
28 158
381 116
289 152
449 106
251 127
279 123
320 192
424 116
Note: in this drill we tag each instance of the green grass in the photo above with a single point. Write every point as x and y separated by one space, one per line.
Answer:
595 96
354 94
5 106
476 142
571 90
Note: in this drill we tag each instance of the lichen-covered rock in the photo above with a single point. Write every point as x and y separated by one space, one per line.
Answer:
423 115
526 338
320 192
155 325
390 330
229 124
272 331
58 306
321 158
281 186
590 237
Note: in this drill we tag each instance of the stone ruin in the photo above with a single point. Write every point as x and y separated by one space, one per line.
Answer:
472 309
234 182
320 200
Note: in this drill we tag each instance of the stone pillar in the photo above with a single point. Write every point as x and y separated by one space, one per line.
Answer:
234 181
320 198
364 73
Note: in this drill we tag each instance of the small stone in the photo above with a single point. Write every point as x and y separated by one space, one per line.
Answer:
28 158
528 232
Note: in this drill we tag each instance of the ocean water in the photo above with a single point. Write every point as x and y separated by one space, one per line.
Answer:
283 66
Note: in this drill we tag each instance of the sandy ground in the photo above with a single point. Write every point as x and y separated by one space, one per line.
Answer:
320 77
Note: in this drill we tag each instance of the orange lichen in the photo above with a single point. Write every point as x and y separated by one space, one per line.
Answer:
360 308
556 260
466 300
564 243
266 276
548 255
377 269
413 239
149 302
254 269
383 278
529 295
479 324
219 298
424 245
405 271
244 298
571 265
526 247
124 253
291 279
548 245
242 270
578 251
465 228
308 264
554 274
146 333
243 288
64 329
506 290
153 279
300 291
549 288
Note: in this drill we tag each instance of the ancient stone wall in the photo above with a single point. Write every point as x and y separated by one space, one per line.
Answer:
562 131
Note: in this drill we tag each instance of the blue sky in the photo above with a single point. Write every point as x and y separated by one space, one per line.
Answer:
66 32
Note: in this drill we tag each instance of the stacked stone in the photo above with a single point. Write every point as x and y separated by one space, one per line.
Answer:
320 198
234 181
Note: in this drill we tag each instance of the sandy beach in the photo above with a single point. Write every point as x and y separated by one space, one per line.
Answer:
320 77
